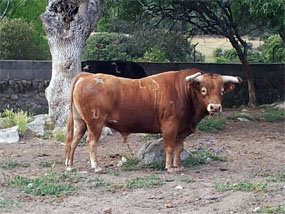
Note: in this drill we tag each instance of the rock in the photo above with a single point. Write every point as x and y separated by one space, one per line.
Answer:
5 123
38 125
107 210
242 119
153 151
106 132
281 106
9 135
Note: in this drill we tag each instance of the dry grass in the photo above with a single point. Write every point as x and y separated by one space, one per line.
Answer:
208 44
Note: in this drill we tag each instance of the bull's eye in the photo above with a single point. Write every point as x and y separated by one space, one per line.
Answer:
222 91
204 91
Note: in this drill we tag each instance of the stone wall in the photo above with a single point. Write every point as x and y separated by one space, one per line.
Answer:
22 83
28 95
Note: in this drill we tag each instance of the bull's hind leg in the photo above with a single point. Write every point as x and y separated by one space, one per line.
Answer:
94 132
79 131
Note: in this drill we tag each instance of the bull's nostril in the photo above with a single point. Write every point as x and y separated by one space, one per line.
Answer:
211 107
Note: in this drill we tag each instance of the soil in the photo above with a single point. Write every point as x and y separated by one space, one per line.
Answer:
255 151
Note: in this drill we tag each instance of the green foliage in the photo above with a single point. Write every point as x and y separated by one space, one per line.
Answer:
129 163
100 182
20 119
236 115
230 56
20 41
204 153
148 137
242 186
273 47
142 182
268 210
188 180
49 164
48 184
28 10
7 203
106 46
59 135
212 125
273 114
13 164
154 55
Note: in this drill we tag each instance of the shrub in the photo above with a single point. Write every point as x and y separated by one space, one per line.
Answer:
20 41
273 46
20 119
106 46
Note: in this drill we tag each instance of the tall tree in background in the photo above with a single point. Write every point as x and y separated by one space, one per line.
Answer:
227 18
67 24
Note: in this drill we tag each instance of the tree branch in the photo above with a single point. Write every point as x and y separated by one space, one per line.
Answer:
5 11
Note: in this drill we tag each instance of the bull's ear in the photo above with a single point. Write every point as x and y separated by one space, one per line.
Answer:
229 87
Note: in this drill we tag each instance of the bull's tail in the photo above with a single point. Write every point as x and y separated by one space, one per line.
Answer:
70 121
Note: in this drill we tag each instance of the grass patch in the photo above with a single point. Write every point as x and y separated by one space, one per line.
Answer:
7 203
267 210
99 182
188 180
113 172
237 115
20 119
59 135
204 153
129 163
142 182
149 137
272 114
13 164
50 164
48 184
212 125
245 186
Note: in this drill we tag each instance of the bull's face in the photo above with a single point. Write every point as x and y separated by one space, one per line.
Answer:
209 89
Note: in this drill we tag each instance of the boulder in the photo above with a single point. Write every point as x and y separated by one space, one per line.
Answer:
153 151
281 106
38 125
9 135
106 131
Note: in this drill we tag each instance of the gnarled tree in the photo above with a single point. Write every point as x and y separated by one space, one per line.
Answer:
68 23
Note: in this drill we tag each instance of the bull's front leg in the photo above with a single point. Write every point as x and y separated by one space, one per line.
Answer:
177 152
169 132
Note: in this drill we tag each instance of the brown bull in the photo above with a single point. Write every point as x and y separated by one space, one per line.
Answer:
171 103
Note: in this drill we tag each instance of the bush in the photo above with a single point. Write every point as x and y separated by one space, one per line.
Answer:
20 41
273 46
106 46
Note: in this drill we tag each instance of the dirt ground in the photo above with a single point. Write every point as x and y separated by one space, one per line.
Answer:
255 152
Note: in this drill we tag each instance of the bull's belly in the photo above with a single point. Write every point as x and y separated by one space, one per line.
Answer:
133 127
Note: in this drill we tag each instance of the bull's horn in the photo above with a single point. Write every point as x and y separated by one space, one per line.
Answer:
231 79
196 77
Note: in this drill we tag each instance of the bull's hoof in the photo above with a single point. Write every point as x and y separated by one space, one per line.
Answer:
179 169
98 169
171 170
69 169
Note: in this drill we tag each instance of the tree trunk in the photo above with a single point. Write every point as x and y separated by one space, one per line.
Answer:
67 24
247 70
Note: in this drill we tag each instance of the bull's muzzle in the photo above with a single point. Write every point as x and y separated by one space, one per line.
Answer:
211 108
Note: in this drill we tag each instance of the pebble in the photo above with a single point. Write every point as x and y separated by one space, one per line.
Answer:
179 187
107 210
168 205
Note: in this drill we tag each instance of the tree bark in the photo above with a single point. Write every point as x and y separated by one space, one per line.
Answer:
247 70
67 24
